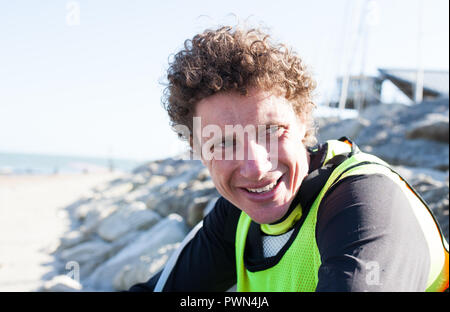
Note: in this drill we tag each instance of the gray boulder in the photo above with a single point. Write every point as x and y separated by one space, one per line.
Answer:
95 213
72 238
347 127
169 230
415 136
433 127
87 255
128 218
61 283
143 268
433 187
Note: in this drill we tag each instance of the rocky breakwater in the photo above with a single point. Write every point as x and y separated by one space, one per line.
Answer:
124 231
414 139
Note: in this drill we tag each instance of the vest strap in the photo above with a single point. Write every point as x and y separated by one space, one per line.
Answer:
286 225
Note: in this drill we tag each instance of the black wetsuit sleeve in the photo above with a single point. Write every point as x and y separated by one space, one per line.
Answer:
369 238
148 286
207 262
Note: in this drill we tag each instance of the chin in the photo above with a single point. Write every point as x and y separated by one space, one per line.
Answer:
267 217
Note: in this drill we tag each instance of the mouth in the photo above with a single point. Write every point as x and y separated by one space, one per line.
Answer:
263 193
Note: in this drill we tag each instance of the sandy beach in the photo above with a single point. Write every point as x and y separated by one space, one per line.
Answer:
32 219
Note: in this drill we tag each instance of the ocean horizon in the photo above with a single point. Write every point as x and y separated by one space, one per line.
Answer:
24 163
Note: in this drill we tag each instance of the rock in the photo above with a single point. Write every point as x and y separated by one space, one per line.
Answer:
169 230
170 167
199 208
144 191
178 201
433 127
173 182
414 136
382 112
87 255
147 168
195 210
348 127
144 268
129 218
437 196
91 254
156 180
81 211
438 200
149 182
96 214
178 192
433 187
86 251
207 186
72 238
118 190
61 283
416 175
203 175
138 180
397 150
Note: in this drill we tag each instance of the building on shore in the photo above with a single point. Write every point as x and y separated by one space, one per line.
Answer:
364 91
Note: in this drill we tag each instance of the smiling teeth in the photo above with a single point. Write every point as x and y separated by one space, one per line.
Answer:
263 189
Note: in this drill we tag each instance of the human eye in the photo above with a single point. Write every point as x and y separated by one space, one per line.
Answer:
272 130
223 144
227 143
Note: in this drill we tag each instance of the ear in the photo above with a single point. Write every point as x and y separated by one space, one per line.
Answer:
301 125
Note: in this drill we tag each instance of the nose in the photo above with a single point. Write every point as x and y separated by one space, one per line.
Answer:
256 162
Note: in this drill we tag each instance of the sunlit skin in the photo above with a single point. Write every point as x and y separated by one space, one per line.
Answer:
287 165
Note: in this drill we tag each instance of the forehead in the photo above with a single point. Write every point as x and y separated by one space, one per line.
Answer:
258 108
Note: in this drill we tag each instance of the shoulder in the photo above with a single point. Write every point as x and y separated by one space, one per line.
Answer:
367 197
367 219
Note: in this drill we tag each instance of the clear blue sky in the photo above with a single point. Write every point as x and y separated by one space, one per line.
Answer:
94 89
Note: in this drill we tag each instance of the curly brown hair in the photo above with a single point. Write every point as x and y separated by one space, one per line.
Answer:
234 59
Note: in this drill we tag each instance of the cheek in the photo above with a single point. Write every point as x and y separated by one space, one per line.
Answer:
220 172
293 159
290 148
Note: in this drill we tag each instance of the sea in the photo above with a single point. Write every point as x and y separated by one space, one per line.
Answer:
20 163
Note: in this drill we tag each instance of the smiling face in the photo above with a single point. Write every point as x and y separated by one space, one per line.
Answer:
261 178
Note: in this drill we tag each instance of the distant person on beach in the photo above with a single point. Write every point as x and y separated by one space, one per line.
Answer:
294 215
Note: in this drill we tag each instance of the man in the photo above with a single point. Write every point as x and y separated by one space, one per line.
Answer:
293 216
